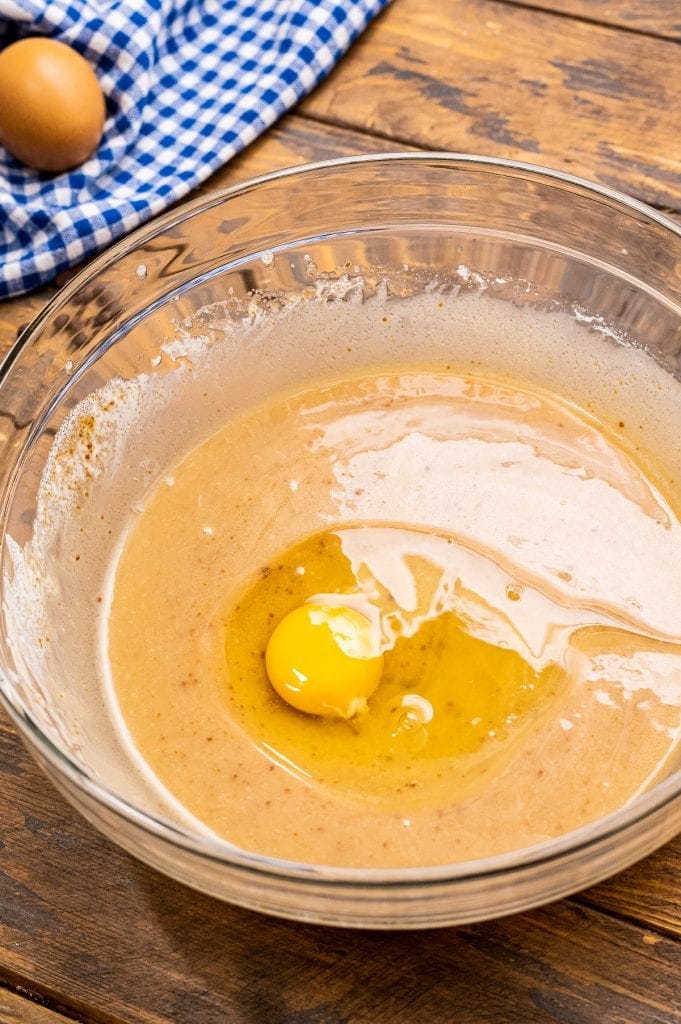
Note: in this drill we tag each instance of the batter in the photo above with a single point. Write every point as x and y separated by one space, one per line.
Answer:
515 562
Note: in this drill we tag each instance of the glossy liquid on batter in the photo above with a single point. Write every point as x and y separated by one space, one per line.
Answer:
517 562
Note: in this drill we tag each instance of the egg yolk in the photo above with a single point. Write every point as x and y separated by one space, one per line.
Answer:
324 660
449 706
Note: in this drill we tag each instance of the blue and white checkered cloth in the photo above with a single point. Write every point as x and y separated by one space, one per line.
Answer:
188 83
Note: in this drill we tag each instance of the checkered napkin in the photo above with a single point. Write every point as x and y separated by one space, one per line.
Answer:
188 83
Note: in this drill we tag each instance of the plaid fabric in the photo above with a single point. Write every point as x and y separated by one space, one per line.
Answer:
188 83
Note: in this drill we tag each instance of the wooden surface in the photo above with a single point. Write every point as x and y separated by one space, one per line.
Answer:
87 933
19 1008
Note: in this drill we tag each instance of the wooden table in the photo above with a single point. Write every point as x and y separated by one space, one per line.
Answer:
87 933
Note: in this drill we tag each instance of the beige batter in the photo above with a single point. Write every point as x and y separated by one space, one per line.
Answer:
465 489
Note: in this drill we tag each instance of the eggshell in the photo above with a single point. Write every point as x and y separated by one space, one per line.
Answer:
51 105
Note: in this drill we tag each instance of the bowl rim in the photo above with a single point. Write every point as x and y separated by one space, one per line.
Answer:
220 851
185 210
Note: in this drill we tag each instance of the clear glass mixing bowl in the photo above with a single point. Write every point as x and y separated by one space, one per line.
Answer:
536 238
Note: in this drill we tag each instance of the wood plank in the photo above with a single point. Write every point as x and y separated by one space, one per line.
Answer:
644 894
502 80
17 1009
656 17
293 141
88 926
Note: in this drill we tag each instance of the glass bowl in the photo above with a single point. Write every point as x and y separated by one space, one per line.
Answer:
522 234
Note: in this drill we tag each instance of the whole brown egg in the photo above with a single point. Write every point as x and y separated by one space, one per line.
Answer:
51 105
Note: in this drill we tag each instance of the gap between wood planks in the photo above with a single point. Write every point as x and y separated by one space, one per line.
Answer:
20 1005
405 144
657 930
579 10
515 82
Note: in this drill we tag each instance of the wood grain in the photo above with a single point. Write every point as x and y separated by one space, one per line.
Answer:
647 892
15 1009
656 17
501 80
83 923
